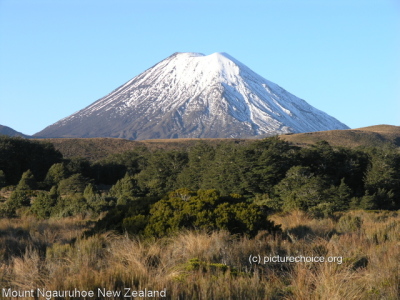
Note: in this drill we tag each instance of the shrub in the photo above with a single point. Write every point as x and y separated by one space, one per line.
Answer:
43 205
56 173
73 184
206 210
348 223
27 182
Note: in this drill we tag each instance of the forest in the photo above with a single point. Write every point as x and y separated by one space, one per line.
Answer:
228 191
265 175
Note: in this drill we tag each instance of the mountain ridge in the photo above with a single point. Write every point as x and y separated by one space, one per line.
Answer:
5 130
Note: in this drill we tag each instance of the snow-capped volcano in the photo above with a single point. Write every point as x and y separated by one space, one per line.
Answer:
192 95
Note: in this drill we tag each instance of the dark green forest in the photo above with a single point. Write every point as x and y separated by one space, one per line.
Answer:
228 185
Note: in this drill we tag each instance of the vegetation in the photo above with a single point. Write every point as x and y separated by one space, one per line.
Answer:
95 149
373 136
188 219
262 176
19 155
53 254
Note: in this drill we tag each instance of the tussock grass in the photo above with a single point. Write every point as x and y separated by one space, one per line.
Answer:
56 255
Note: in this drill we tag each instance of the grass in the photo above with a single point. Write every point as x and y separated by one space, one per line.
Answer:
372 136
56 255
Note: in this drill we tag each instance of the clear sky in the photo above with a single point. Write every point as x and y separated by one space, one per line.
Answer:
57 57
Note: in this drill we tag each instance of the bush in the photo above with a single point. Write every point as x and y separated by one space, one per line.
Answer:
43 205
73 184
206 210
56 173
27 182
71 205
349 223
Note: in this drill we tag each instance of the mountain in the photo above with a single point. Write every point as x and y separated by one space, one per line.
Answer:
5 130
191 95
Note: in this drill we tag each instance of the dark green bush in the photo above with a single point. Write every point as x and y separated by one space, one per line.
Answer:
206 210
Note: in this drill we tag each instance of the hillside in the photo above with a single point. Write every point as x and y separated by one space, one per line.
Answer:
5 130
372 136
97 148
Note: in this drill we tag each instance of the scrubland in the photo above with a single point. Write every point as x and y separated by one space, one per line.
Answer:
224 220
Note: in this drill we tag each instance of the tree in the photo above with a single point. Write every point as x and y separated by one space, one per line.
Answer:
27 182
159 175
224 173
73 184
264 163
96 202
71 205
90 193
115 166
79 165
300 189
200 158
17 199
2 179
382 178
18 155
125 190
22 194
340 196
56 173
43 205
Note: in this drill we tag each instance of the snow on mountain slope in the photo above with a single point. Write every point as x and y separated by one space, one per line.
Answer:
191 95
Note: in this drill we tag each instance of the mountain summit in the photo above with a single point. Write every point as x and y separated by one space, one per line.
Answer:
192 95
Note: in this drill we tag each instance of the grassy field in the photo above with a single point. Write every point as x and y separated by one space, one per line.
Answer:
57 255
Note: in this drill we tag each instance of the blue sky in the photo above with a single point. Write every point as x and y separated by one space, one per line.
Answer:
57 57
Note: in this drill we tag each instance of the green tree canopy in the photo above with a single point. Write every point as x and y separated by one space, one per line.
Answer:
159 175
382 179
73 184
56 173
43 205
27 182
200 158
18 155
300 189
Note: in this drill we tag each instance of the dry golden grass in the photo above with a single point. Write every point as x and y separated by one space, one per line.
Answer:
197 265
373 136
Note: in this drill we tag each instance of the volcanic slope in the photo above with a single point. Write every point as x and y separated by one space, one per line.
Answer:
5 130
191 95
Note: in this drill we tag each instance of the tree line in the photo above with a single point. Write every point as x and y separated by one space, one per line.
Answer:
225 186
